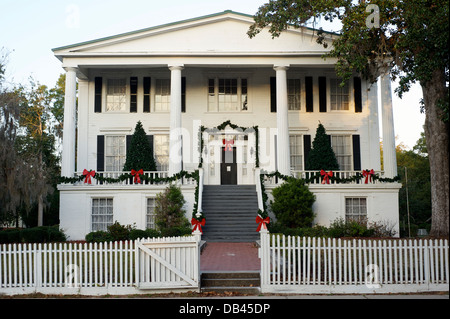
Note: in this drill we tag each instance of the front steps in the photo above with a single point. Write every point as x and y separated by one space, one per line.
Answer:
230 212
240 282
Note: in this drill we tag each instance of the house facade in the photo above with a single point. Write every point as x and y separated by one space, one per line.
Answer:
213 100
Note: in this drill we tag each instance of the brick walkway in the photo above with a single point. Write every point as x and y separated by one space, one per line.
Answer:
217 256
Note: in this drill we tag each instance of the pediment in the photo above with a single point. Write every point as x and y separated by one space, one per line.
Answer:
224 33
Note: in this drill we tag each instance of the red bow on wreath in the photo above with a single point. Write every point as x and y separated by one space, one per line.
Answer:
228 144
368 175
262 221
326 176
88 174
198 224
137 179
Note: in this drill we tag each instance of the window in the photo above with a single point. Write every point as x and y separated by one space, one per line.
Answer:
116 97
115 153
342 147
339 95
162 95
227 95
293 94
161 150
151 224
296 150
356 209
102 213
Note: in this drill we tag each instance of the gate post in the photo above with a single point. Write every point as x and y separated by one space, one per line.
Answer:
264 254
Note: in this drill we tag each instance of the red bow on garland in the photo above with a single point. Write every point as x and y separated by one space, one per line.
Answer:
88 175
137 179
198 224
368 175
228 144
262 221
326 176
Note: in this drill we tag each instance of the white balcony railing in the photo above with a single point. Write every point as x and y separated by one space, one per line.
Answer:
337 177
118 178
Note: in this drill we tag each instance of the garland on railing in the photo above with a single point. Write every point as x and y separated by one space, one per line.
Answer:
138 177
221 127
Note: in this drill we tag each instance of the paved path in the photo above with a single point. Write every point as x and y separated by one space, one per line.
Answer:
217 256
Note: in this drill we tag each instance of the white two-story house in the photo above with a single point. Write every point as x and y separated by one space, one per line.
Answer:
183 81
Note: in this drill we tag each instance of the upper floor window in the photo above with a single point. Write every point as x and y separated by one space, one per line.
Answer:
296 152
161 151
162 95
339 95
227 95
294 97
116 95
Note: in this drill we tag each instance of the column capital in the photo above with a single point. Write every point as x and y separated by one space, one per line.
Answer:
281 67
174 67
71 69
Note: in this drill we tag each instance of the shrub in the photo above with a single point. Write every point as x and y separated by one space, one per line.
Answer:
169 209
292 204
119 232
98 236
42 234
139 233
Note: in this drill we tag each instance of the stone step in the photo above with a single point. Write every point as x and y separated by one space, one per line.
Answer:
240 282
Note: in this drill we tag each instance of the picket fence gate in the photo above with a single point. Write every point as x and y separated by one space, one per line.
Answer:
124 267
325 265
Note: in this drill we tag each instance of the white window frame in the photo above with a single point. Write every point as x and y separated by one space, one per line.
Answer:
346 155
358 212
107 155
150 216
297 154
107 212
154 87
127 94
331 86
161 166
214 98
300 93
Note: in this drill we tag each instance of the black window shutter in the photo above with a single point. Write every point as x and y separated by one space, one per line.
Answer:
309 94
358 94
322 94
147 84
133 94
273 94
100 153
98 95
183 94
128 143
150 141
306 147
356 153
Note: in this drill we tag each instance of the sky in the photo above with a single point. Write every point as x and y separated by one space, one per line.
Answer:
30 29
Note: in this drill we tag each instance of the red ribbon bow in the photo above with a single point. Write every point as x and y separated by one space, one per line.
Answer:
262 221
137 179
228 144
88 175
368 175
198 224
326 176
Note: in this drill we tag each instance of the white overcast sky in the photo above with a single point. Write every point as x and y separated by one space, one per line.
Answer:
29 29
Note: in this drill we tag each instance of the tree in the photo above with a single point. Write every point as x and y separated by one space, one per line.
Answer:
140 153
321 155
408 39
292 204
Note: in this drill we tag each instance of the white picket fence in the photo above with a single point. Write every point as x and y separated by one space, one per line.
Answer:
97 268
319 265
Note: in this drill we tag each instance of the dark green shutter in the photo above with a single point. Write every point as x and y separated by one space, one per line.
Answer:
322 94
100 153
98 95
273 94
358 94
306 147
147 85
356 153
309 94
183 94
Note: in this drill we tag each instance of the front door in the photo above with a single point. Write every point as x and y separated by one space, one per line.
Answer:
228 167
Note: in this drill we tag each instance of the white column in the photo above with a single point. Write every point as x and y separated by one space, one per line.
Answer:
283 151
68 151
175 153
389 155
